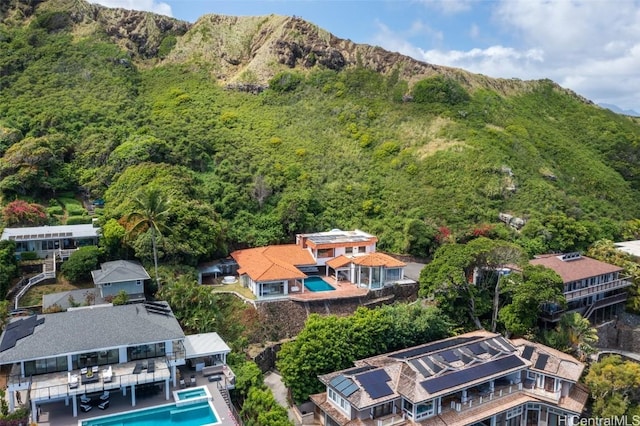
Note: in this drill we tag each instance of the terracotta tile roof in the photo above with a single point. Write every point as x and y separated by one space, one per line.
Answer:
575 269
378 259
339 262
271 263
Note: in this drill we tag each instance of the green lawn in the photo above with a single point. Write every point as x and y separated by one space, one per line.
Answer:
237 287
33 297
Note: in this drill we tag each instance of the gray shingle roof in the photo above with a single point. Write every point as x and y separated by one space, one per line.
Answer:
93 328
119 271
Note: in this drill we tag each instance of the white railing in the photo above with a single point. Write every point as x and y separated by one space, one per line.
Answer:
390 420
595 289
47 273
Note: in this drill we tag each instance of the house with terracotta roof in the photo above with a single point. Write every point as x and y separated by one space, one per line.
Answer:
478 378
591 287
341 256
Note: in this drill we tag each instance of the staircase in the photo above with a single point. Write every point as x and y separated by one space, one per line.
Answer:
48 272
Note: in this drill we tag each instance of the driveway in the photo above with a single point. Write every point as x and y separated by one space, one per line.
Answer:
273 381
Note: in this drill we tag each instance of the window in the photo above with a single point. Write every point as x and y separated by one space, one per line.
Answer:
382 409
106 285
514 412
328 252
339 401
152 350
392 274
43 366
424 409
348 250
362 249
407 407
139 282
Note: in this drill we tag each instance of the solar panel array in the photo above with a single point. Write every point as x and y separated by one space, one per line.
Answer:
344 385
527 352
375 383
443 344
457 378
420 367
17 330
542 361
357 370
157 308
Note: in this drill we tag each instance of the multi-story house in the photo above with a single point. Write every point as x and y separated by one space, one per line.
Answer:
52 241
316 262
101 348
479 378
591 287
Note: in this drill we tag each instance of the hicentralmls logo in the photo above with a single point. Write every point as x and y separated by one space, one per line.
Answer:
600 421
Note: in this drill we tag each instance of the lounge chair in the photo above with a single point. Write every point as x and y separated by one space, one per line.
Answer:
104 396
138 368
95 369
151 367
104 405
107 374
73 380
193 380
85 407
85 399
182 384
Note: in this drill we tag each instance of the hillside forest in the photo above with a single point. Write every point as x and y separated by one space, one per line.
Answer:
97 124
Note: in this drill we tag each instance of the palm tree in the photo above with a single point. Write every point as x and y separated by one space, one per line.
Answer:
151 211
580 336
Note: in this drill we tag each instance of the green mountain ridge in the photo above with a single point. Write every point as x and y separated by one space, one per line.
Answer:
329 134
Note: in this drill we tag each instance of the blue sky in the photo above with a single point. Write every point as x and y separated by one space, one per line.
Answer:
589 46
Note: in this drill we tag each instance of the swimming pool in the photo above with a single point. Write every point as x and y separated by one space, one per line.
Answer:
198 413
191 393
317 284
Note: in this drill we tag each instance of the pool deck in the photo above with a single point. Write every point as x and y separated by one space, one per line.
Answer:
57 414
343 290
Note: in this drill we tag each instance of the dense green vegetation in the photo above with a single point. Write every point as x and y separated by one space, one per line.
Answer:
331 343
318 150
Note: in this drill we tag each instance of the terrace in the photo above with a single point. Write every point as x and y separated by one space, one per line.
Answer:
58 413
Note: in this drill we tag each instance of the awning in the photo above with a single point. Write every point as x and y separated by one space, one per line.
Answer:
205 344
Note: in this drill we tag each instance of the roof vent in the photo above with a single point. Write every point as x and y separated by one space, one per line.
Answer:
570 256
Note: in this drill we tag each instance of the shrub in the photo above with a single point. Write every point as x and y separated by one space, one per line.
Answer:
76 220
23 213
80 264
28 255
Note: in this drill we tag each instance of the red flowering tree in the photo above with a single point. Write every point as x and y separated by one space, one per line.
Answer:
22 213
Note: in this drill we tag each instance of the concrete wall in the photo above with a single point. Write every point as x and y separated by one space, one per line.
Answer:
622 333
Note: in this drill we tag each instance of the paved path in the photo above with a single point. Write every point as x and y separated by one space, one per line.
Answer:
631 355
273 381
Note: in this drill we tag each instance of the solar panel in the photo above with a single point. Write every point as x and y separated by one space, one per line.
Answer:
450 356
465 358
17 330
343 385
425 349
418 366
375 383
336 380
434 367
527 352
350 390
501 340
457 378
358 370
542 361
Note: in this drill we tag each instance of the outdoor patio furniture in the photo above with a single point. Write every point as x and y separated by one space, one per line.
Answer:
138 368
73 380
83 370
107 374
193 380
95 369
182 384
85 399
85 407
215 378
151 367
90 377
104 405
104 396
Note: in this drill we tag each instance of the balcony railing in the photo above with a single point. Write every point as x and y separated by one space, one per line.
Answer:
596 289
390 420
476 399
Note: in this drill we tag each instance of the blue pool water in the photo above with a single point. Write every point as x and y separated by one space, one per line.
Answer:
196 414
191 393
317 284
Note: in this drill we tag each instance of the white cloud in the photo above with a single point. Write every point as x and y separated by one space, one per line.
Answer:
146 5
590 47
448 7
